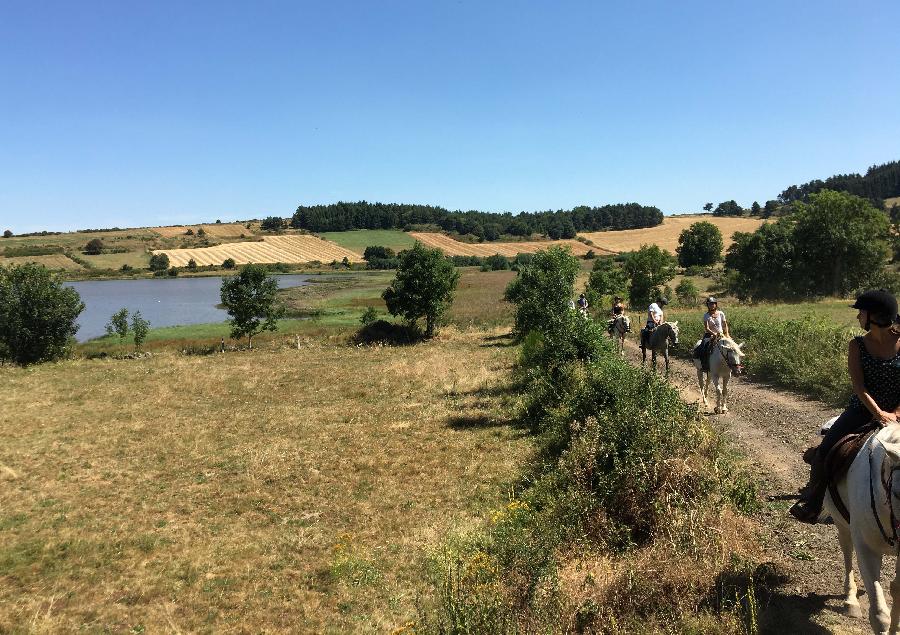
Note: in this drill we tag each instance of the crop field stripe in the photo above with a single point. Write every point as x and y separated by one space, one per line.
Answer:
456 248
271 249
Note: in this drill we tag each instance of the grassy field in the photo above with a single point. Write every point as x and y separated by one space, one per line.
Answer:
666 235
275 490
453 247
359 239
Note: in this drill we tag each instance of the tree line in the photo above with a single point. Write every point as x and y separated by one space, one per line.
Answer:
878 183
488 226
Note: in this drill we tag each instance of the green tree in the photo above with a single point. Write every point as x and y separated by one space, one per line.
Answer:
7 233
542 290
94 247
708 207
755 209
201 232
272 224
648 269
139 327
229 263
607 278
700 244
250 299
760 265
118 324
770 208
423 286
159 262
37 314
728 208
192 264
373 252
840 243
687 292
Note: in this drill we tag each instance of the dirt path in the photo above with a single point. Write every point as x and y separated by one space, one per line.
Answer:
774 427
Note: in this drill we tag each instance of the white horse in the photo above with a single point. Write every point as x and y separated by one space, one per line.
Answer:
620 325
869 490
724 359
659 339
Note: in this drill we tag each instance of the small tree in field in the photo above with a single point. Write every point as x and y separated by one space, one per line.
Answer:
159 262
648 268
250 299
118 324
687 292
228 263
37 314
607 278
94 247
139 327
542 291
192 264
423 287
700 244
7 234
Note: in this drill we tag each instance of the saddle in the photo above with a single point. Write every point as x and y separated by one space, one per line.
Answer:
839 459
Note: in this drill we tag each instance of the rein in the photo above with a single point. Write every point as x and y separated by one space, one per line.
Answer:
888 484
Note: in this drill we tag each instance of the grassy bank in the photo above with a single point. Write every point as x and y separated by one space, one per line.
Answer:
282 489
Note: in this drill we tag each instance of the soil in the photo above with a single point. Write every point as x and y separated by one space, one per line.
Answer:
774 427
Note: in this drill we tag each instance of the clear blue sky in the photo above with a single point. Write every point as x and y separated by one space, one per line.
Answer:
122 113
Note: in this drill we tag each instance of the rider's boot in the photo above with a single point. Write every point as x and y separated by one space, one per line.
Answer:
809 507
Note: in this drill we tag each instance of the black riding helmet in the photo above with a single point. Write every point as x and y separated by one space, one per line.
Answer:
880 304
711 300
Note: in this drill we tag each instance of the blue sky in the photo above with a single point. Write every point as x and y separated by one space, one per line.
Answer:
136 114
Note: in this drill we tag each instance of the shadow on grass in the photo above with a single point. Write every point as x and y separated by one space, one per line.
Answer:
479 422
506 340
382 332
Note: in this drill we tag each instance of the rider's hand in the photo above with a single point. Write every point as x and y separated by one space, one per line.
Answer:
886 418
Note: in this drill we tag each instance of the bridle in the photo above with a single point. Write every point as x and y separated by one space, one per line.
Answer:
726 353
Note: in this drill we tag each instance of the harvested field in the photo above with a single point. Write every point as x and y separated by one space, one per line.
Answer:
666 235
286 249
455 248
52 261
216 230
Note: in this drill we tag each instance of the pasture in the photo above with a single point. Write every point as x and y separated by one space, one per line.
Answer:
270 249
215 230
453 247
666 234
358 239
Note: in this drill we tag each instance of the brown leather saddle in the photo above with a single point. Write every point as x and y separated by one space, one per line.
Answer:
839 459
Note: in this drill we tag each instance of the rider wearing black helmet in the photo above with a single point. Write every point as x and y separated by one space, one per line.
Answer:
873 361
714 325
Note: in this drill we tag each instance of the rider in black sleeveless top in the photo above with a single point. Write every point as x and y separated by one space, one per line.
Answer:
874 364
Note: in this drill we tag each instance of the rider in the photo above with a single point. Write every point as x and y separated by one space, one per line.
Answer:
618 308
582 304
655 314
714 326
873 361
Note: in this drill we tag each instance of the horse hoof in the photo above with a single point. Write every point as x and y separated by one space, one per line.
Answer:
852 610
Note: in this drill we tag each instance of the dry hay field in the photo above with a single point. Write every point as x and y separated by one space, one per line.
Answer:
52 261
295 248
278 490
453 247
215 230
666 235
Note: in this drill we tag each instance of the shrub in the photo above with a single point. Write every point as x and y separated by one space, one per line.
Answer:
139 327
272 224
542 290
7 233
201 232
378 252
37 314
497 262
384 332
94 247
159 262
648 269
172 272
229 263
192 264
126 267
189 232
118 324
687 292
369 316
607 278
590 255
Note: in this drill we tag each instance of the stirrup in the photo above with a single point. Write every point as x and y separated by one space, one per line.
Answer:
805 513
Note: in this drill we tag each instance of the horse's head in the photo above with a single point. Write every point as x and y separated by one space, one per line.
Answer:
732 353
673 333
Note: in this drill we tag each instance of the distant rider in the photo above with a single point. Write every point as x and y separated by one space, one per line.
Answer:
655 316
582 304
714 326
873 361
618 308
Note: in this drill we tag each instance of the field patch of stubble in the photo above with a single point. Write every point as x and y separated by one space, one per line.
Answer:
282 490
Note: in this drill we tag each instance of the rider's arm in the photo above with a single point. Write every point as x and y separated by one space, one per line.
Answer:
706 329
725 326
856 380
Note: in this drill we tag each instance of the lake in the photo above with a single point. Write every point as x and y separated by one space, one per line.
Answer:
162 301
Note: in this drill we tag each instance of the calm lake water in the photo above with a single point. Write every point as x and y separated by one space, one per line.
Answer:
162 301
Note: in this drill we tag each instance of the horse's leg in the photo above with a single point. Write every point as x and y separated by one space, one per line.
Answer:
895 597
715 382
725 379
870 570
851 604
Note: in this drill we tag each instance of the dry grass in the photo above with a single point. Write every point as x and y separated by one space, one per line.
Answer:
279 490
287 249
453 247
53 261
479 299
666 235
215 230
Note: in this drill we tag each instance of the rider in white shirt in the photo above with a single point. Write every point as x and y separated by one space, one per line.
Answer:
714 326
655 313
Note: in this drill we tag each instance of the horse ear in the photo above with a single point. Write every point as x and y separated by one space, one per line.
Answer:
675 323
741 345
